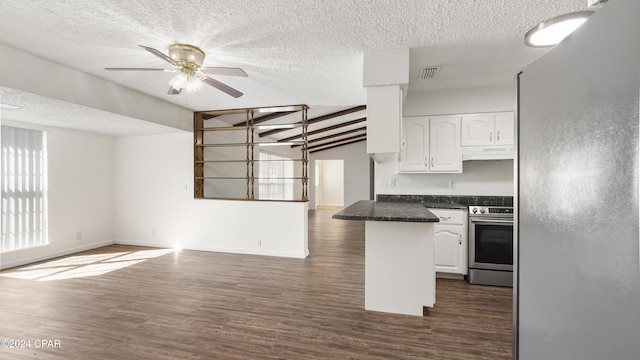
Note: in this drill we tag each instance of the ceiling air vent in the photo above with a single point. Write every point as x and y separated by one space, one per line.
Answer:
429 72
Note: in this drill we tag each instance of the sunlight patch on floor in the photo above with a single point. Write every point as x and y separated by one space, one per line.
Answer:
80 266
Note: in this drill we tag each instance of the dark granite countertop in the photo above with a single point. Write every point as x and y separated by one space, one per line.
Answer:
445 206
370 210
448 201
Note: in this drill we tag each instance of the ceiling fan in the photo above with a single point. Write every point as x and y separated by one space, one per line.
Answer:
187 61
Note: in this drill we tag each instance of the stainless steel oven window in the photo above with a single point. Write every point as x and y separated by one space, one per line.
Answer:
491 244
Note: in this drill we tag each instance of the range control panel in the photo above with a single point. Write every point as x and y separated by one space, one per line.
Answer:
480 210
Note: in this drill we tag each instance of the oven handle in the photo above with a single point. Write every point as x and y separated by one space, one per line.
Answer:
490 221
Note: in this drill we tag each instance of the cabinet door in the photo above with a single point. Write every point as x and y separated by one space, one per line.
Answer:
504 129
415 150
477 130
444 144
448 241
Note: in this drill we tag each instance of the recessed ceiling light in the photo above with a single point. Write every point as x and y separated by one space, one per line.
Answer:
10 107
552 31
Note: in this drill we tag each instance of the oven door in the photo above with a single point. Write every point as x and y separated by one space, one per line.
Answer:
491 243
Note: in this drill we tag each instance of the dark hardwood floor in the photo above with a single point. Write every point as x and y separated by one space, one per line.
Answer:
124 302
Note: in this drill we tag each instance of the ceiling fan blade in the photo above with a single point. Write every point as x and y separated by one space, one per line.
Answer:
137 69
228 71
174 91
159 54
222 87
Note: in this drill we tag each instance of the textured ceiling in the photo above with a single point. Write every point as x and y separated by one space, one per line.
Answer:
72 116
294 51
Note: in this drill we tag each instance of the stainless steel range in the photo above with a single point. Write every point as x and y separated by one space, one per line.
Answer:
491 245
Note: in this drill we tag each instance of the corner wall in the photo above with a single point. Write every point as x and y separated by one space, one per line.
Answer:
155 205
80 195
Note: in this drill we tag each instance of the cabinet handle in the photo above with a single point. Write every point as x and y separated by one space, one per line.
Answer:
445 218
498 136
490 135
460 238
432 161
426 162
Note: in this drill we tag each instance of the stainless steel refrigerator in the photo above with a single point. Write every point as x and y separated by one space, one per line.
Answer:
577 279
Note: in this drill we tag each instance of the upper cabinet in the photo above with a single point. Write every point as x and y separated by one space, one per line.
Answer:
415 144
430 144
444 144
487 136
487 129
384 114
504 129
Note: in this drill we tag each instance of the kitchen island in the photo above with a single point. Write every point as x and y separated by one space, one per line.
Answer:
399 255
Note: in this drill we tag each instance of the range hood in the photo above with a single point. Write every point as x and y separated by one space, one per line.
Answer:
487 153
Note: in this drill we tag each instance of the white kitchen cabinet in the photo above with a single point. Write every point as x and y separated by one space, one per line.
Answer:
444 144
451 241
477 130
504 129
430 144
495 129
415 144
384 115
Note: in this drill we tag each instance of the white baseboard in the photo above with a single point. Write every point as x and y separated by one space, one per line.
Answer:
263 252
443 275
331 205
53 254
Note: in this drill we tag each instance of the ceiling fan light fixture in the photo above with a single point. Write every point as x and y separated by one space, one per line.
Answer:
190 83
552 31
186 55
193 85
179 81
187 63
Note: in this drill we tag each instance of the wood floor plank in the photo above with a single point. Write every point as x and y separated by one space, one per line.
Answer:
128 302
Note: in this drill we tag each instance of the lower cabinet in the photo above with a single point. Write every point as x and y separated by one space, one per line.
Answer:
451 241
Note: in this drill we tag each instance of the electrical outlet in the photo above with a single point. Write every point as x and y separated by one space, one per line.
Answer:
259 242
452 185
392 182
78 235
153 231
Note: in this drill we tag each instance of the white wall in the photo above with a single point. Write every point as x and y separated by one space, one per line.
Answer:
356 171
488 177
462 101
80 192
331 187
155 205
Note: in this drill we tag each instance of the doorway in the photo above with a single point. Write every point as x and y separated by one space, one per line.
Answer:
329 184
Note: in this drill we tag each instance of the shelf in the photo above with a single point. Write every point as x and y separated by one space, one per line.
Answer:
245 127
243 161
245 178
243 169
288 143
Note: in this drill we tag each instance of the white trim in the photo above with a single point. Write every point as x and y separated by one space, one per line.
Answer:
287 254
6 265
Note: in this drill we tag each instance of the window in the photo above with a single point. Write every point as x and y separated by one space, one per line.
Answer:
275 179
24 185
